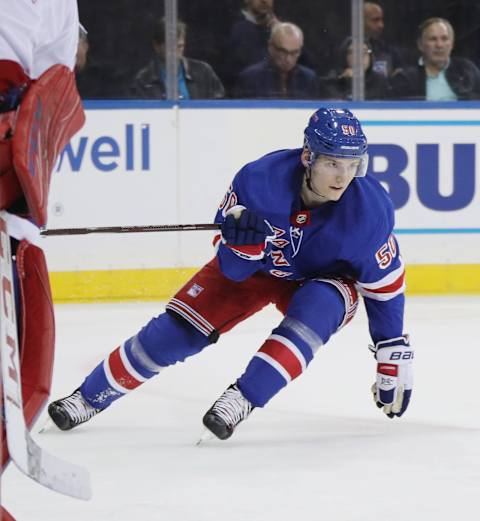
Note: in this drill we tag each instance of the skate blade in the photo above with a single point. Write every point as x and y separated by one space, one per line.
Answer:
206 436
47 425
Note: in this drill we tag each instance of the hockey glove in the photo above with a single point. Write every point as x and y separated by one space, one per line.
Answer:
393 387
246 233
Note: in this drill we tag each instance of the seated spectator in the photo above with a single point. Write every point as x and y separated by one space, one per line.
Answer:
279 76
196 79
338 84
82 49
386 59
249 37
93 81
438 76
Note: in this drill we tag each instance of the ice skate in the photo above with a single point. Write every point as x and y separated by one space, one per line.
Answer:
71 411
227 412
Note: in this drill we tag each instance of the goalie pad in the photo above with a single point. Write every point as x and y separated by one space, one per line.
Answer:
36 326
50 114
37 329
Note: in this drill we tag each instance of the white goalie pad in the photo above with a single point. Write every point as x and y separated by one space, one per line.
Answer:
30 458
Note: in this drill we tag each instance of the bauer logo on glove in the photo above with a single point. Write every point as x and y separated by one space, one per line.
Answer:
393 388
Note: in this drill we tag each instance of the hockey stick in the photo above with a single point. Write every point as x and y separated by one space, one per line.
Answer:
30 458
131 229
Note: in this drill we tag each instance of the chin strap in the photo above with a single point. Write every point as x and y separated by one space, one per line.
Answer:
308 182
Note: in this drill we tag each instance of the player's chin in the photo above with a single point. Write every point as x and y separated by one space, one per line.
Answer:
336 193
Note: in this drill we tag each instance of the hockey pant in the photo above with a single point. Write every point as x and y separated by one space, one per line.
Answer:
209 305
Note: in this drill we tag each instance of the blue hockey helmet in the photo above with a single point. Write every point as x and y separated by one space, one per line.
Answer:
336 132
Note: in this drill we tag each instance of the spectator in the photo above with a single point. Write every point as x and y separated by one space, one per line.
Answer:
279 76
437 76
196 79
386 59
92 79
82 49
249 37
338 84
209 27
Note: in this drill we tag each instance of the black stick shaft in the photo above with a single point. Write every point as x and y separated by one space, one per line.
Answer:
131 229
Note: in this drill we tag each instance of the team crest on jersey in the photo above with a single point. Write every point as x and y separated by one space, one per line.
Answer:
195 290
301 218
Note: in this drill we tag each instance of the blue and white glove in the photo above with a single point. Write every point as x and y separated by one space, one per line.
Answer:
246 233
393 387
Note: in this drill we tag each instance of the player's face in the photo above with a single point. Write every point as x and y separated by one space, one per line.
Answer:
329 178
436 44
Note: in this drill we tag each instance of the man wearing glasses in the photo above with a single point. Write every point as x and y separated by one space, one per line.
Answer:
279 76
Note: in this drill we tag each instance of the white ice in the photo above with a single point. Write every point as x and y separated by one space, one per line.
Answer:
320 451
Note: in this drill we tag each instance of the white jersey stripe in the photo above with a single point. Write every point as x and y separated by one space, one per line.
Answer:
385 281
382 296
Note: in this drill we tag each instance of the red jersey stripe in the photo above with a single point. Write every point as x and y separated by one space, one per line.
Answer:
391 287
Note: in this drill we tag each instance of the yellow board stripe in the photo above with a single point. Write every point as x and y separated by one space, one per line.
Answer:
441 279
161 284
117 285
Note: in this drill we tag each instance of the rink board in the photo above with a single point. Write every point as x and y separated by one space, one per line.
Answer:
150 163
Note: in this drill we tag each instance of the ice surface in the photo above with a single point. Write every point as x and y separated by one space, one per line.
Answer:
320 451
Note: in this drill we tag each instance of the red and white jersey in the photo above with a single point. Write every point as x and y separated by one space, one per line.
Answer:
39 33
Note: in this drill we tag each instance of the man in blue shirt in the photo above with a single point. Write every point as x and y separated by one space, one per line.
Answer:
304 229
196 79
438 76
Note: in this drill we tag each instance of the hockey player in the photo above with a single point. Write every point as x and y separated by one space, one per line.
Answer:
40 110
304 229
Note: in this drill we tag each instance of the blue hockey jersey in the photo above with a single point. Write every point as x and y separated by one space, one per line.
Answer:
351 237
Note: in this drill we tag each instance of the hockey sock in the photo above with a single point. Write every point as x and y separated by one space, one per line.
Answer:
284 356
314 314
164 341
